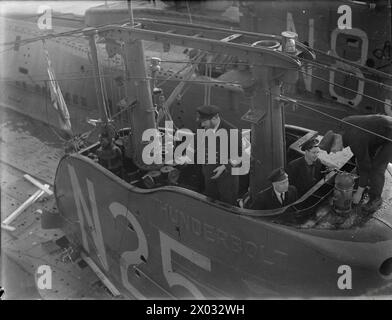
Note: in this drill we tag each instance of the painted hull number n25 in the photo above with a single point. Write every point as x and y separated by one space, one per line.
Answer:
90 223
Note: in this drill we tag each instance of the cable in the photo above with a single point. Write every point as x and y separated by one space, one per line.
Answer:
80 30
354 64
21 42
317 65
295 101
348 89
213 83
217 82
62 34
5 50
49 36
351 75
174 74
189 11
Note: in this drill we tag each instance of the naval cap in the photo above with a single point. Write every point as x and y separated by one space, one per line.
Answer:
277 175
309 144
207 111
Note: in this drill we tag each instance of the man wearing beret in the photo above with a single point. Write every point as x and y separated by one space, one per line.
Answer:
219 183
305 172
369 139
279 195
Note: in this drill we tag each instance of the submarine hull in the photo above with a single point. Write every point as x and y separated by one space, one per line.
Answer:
171 242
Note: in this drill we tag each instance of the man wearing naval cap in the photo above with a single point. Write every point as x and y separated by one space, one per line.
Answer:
219 183
280 194
369 138
305 171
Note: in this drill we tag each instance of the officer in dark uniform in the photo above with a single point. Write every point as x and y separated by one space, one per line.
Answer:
280 194
219 183
371 150
305 172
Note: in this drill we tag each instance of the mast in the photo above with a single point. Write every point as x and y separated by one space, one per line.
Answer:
138 88
267 117
389 21
130 11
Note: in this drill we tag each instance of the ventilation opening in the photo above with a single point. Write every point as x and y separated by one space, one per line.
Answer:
386 267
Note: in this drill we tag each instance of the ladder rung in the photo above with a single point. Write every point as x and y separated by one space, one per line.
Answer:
231 37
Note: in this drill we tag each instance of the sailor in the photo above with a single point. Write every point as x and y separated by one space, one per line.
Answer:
280 194
372 149
219 183
305 172
110 155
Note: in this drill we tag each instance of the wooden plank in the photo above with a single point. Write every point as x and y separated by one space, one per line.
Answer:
7 227
101 275
23 207
38 184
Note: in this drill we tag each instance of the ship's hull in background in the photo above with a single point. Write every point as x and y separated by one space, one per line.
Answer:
25 68
24 88
316 23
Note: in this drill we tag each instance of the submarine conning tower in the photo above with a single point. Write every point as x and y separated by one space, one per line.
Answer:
272 59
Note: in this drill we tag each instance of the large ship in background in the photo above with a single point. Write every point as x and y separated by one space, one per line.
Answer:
357 78
363 51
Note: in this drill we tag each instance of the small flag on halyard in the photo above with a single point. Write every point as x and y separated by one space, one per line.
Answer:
56 96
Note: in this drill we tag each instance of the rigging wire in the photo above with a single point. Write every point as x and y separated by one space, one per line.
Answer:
174 74
5 50
73 32
233 83
317 65
80 30
348 89
43 37
351 75
352 63
189 11
295 101
217 83
382 74
387 87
